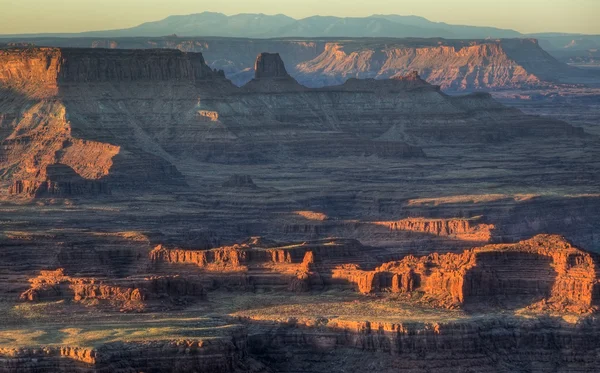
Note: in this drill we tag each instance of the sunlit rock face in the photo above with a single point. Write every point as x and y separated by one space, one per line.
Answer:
544 272
455 65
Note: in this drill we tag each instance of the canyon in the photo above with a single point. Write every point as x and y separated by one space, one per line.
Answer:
457 65
158 215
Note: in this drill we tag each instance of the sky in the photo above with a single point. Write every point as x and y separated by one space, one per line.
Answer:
527 16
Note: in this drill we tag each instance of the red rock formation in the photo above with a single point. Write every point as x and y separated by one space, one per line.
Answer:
463 229
127 294
49 120
61 181
219 355
306 275
239 256
455 66
545 267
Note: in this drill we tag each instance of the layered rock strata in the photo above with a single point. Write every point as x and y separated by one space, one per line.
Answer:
543 272
131 118
223 355
126 295
452 64
463 229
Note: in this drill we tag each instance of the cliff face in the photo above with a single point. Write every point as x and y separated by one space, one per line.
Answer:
488 345
453 67
127 118
223 355
545 272
65 108
124 295
452 64
464 229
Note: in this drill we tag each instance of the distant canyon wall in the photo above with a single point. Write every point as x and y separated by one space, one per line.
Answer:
455 65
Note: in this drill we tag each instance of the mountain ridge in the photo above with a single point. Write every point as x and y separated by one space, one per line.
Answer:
269 26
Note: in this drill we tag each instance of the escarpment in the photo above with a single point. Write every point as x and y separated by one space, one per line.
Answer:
449 346
125 295
296 267
67 107
453 66
220 355
544 272
131 119
456 65
464 229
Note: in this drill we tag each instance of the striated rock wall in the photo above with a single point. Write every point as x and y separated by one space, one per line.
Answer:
543 272
453 64
464 229
238 256
127 294
502 344
39 72
223 355
57 107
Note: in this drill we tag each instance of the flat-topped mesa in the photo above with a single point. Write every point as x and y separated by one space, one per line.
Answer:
544 272
455 65
269 65
256 251
270 75
38 72
92 65
413 80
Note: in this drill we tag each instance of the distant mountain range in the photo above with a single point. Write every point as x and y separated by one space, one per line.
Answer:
209 24
276 26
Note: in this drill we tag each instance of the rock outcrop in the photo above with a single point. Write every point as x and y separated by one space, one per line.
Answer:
270 75
222 355
504 344
238 256
463 229
452 64
125 295
269 65
61 181
543 272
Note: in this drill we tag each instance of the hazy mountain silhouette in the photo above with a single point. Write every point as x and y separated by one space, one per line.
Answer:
272 26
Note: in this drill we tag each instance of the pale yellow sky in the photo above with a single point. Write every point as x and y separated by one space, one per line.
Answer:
36 16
